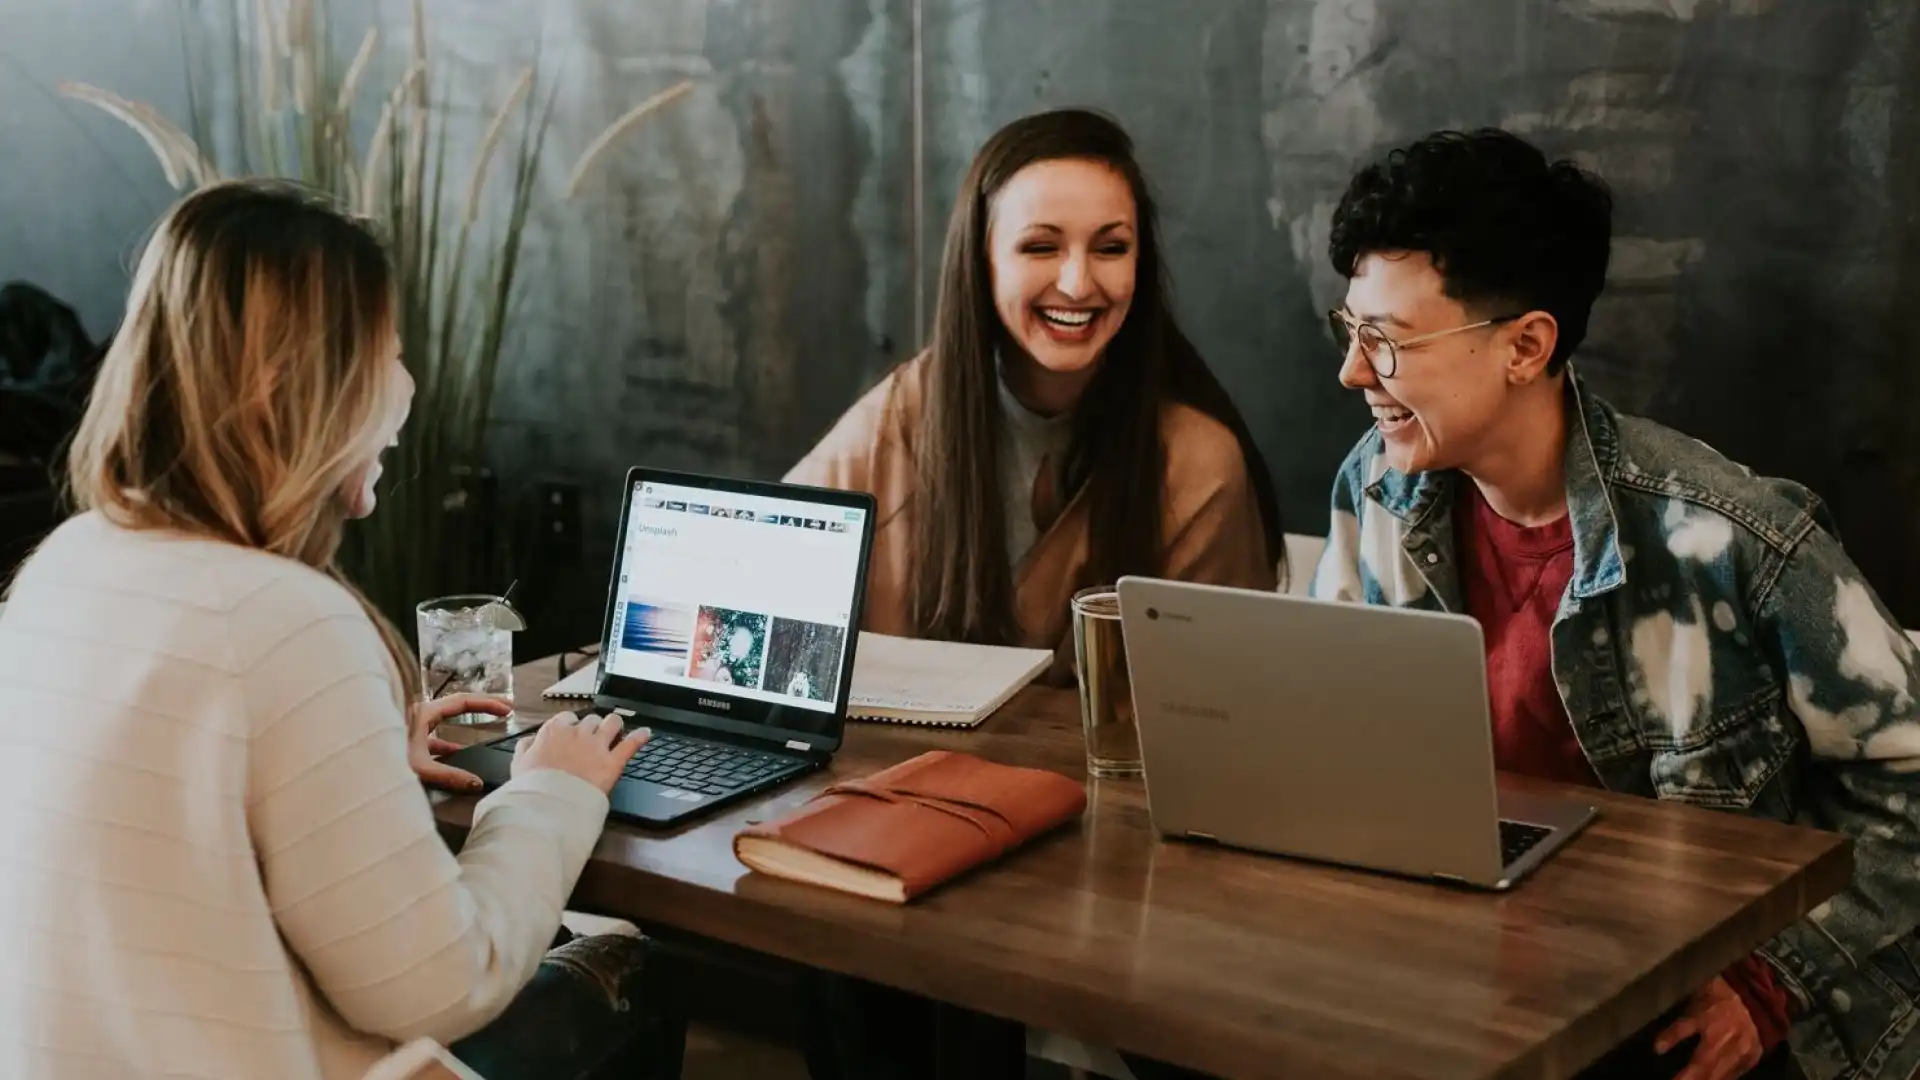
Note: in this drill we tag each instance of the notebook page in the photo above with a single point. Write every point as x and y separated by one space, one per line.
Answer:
579 684
938 676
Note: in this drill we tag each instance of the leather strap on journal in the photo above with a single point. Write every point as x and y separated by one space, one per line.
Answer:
991 823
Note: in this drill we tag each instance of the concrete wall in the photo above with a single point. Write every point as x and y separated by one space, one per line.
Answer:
77 191
749 263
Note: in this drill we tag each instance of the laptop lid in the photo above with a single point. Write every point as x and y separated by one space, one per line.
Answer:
1340 732
734 604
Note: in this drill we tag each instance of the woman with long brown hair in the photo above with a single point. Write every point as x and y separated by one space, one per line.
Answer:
217 859
1060 430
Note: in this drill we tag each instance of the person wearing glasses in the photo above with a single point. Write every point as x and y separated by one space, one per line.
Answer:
1659 620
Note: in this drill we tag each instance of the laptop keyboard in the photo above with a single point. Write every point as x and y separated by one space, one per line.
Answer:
1517 838
709 768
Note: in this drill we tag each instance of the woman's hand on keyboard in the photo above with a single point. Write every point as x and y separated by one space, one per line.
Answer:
590 748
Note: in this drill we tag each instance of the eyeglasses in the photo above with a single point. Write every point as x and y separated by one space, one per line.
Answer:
1382 352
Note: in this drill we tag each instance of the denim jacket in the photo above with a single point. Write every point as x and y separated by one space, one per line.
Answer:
1715 646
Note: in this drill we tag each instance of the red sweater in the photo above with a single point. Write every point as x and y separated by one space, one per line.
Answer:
1512 578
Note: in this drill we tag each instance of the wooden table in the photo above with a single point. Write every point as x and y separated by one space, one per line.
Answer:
1244 965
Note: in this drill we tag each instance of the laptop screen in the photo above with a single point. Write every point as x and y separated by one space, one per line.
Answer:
745 600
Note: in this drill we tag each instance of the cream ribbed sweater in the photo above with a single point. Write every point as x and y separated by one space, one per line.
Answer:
214 860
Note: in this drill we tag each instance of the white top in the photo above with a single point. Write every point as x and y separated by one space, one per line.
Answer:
1032 440
214 860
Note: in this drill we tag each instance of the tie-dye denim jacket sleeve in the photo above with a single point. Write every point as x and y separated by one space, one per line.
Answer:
1716 646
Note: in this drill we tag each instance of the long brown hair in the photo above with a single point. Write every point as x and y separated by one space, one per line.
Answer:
246 387
963 583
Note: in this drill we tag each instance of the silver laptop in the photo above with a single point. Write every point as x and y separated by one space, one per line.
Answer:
1338 732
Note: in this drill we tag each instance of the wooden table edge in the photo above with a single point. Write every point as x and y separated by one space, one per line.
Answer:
818 940
645 896
1584 1040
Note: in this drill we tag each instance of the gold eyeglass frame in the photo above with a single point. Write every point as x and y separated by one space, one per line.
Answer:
1338 320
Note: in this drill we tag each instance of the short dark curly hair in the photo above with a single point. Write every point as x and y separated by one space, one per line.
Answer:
1506 228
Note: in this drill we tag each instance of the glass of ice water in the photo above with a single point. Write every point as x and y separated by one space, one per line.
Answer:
466 647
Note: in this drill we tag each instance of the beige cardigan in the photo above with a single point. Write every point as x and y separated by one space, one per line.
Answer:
1211 522
214 859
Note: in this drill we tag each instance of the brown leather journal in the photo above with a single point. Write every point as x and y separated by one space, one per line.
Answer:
902 831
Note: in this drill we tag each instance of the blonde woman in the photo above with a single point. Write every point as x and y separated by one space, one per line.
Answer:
216 857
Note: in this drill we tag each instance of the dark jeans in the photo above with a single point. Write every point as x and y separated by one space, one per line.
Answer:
588 1014
857 1030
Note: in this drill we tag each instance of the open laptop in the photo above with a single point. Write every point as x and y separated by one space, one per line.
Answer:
1345 733
731 624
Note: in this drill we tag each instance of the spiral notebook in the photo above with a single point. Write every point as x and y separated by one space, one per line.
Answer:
905 680
937 683
578 686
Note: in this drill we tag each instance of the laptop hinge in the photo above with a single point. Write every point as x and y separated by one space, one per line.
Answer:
794 746
654 719
812 753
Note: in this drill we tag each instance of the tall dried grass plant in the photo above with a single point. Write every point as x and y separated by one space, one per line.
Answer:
291 114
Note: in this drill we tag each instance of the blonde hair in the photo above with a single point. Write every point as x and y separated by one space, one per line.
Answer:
246 388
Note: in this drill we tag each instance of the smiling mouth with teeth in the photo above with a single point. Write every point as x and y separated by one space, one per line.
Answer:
1391 418
1067 318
